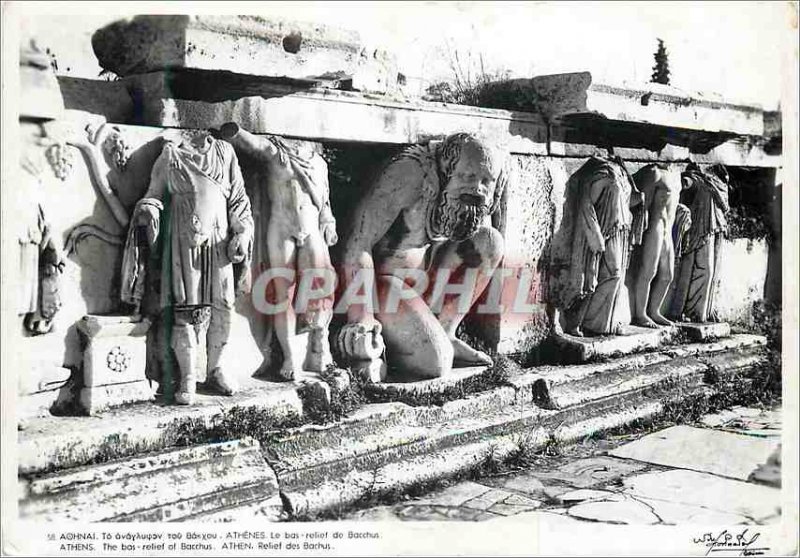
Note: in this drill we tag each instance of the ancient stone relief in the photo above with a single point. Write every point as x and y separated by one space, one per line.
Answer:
300 227
195 219
603 219
425 216
40 261
652 263
705 193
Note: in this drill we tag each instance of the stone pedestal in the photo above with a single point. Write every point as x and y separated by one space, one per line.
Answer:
705 332
576 350
113 362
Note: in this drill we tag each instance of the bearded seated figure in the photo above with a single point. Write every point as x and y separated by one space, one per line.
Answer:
422 233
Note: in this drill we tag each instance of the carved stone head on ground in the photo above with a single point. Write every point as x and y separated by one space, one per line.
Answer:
470 177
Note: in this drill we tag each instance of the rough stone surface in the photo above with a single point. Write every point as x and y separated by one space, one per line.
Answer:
574 350
421 392
243 44
95 399
328 115
168 486
590 472
700 450
744 420
742 272
705 332
626 512
577 93
703 490
51 443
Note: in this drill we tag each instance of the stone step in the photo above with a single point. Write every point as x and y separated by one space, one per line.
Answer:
165 486
56 443
576 350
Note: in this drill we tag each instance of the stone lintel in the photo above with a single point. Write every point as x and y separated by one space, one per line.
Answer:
577 93
705 332
244 44
263 106
574 350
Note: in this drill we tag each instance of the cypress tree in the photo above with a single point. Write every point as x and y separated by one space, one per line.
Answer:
661 69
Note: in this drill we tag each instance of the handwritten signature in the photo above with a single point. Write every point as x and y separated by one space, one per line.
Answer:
742 543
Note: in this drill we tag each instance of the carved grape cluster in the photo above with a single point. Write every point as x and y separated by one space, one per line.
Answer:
61 159
118 359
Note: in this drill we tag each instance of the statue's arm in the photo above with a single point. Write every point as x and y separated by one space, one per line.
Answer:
240 215
397 188
588 215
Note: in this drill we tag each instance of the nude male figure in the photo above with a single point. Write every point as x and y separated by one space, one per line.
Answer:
656 255
300 229
427 212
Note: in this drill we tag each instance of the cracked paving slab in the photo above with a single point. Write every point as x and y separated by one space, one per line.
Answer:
699 449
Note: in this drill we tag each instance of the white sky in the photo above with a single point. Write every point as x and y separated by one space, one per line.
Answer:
736 49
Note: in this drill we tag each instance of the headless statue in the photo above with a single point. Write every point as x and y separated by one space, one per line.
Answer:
653 262
706 195
300 229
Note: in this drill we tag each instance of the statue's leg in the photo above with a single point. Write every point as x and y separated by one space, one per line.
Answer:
313 256
599 309
648 267
219 331
481 252
659 288
712 311
677 309
700 283
282 256
416 342
185 345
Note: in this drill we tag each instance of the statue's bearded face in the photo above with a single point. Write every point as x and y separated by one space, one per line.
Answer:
467 197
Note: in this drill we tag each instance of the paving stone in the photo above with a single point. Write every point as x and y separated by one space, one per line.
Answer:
676 514
746 420
592 471
379 513
707 491
584 494
455 495
506 510
768 473
427 512
526 483
487 500
699 449
628 512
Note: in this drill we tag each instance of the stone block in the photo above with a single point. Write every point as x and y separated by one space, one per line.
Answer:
701 490
578 93
705 332
242 44
711 451
199 100
457 383
115 350
168 486
108 99
96 399
573 350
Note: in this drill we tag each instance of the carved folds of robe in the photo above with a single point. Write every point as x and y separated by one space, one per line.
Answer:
591 257
204 204
707 200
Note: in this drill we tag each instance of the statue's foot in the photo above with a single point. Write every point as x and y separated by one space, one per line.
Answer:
317 361
644 321
574 331
661 320
184 398
464 354
288 372
221 383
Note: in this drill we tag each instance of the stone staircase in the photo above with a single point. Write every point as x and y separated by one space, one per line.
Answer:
247 457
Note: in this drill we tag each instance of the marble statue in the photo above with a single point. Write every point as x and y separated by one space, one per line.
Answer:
652 263
300 228
426 216
603 218
705 193
40 261
197 215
